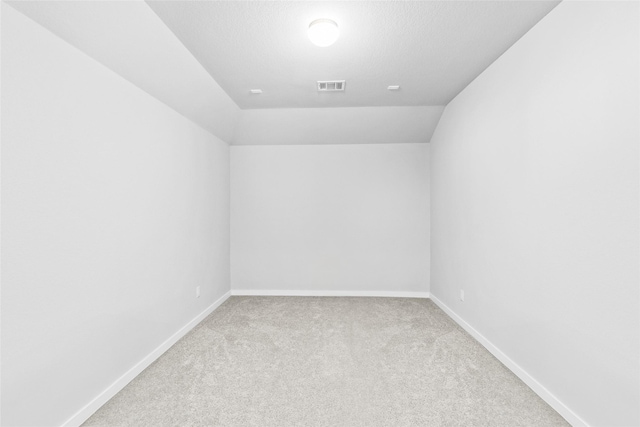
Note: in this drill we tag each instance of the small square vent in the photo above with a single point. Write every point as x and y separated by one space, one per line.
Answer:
331 86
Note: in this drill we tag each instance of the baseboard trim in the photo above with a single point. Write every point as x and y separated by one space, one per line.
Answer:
538 388
83 414
298 293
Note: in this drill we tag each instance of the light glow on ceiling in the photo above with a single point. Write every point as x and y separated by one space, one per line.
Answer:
323 32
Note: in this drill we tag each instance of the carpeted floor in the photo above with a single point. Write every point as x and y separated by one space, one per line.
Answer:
335 361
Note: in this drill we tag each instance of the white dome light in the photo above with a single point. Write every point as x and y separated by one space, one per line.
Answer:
323 32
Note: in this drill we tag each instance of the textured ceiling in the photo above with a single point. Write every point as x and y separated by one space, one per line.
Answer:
432 49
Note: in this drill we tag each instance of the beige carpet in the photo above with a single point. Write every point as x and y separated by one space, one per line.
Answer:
335 361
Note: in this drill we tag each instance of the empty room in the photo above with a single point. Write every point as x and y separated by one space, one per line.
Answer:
320 214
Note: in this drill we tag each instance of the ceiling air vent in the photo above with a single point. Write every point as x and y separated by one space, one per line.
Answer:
331 86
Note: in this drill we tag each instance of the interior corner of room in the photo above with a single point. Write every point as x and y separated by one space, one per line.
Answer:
148 176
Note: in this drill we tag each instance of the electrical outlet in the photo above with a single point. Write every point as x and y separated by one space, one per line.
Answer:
461 294
197 291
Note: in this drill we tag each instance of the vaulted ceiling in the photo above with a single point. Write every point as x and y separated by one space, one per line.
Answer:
201 58
432 49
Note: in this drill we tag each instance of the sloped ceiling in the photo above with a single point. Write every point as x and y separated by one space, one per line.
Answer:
128 38
202 57
359 125
432 49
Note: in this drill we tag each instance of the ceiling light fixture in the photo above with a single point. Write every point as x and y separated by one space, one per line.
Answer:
323 32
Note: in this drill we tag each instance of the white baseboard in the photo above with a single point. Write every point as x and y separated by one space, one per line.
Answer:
299 293
538 388
83 414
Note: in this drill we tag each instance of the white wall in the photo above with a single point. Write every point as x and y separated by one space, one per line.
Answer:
330 218
114 208
535 207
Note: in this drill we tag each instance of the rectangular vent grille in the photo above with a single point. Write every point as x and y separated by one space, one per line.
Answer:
331 86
